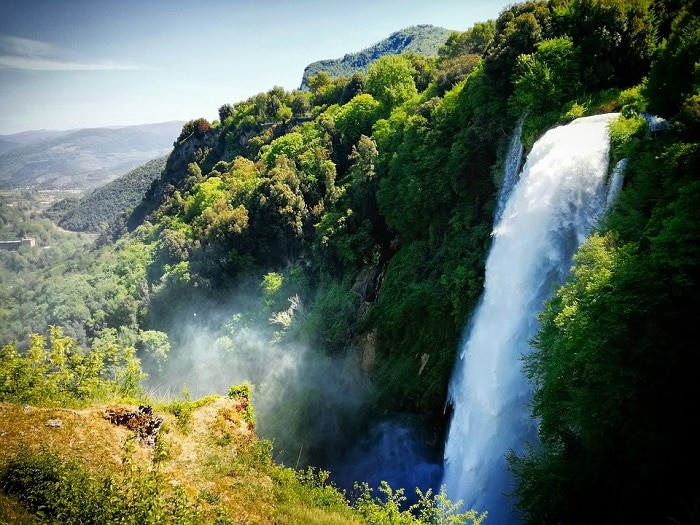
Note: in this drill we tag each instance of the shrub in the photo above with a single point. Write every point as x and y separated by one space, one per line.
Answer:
65 492
241 393
624 130
391 508
183 409
62 374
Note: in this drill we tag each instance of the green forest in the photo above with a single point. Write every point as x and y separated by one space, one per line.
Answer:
423 40
327 245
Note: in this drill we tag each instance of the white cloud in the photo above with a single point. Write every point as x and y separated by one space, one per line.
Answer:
34 55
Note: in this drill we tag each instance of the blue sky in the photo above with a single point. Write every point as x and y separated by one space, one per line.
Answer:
68 64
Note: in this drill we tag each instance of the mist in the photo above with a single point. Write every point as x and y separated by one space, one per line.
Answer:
315 408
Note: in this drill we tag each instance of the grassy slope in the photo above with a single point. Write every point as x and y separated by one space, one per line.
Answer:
217 455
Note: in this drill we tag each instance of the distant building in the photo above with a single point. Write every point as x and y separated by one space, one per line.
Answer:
14 245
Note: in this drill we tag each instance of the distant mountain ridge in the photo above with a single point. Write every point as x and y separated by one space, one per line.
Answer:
422 39
82 159
17 140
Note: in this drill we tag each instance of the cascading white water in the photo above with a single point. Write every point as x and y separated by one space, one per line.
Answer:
559 196
514 160
616 179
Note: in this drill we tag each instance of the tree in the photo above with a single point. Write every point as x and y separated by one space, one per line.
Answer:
155 344
452 71
423 70
324 89
354 87
390 80
204 194
289 145
175 245
473 41
278 212
518 30
675 75
615 38
613 360
357 117
547 78
225 111
301 103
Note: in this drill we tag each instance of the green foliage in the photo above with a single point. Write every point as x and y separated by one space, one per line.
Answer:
175 245
319 489
60 374
625 129
390 80
413 325
474 40
632 101
194 128
332 318
289 145
613 354
270 286
204 195
278 211
65 492
390 508
674 74
106 204
545 79
183 409
438 509
615 40
48 284
573 111
518 30
304 496
381 225
357 117
424 40
242 394
345 240
452 71
242 390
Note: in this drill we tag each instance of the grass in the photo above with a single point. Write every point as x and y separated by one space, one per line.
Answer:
13 514
78 463
229 480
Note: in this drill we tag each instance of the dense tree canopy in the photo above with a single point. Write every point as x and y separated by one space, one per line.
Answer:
352 219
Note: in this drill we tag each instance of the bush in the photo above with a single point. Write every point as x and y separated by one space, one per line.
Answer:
624 130
183 409
62 374
65 492
241 393
391 508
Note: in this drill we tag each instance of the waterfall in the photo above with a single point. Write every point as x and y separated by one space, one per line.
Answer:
511 170
560 194
616 180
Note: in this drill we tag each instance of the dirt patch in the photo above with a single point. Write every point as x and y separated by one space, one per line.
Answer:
141 420
69 433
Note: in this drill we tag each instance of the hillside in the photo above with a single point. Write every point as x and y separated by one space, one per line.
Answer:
422 39
83 159
178 462
16 140
103 206
212 466
329 246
